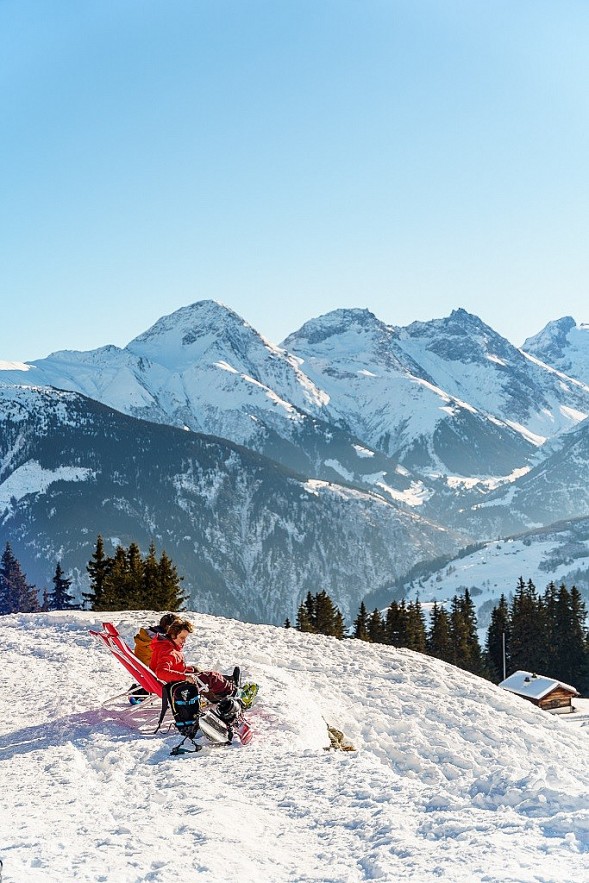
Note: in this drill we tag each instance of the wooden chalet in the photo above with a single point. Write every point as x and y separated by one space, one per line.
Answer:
547 693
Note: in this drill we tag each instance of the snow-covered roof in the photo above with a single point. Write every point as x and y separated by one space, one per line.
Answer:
525 683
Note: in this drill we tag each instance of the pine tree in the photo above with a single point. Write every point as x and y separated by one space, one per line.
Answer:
16 596
60 598
137 598
304 621
98 569
127 581
361 624
169 595
466 649
114 594
415 635
528 630
396 624
376 629
499 632
339 630
287 623
439 641
571 663
150 578
318 615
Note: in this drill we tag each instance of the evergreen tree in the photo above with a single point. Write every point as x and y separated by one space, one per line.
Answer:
169 595
150 577
114 594
129 582
528 630
466 649
396 624
439 641
361 624
339 626
16 596
319 615
571 664
304 621
552 636
287 623
415 638
376 630
135 588
60 598
98 569
498 632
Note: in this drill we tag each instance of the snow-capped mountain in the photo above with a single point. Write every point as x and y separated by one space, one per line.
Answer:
250 537
206 369
563 345
202 367
436 389
449 397
452 778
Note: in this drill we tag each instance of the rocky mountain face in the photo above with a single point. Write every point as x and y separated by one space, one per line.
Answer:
563 345
337 460
250 537
555 490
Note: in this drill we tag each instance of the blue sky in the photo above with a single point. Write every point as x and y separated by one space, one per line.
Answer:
289 157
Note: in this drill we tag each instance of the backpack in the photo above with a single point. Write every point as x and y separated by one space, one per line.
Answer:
183 699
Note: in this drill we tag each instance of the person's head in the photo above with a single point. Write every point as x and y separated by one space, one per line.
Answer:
179 631
167 620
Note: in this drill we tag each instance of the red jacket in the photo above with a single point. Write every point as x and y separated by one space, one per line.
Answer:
167 660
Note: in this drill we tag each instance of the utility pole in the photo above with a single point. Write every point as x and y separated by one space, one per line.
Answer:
504 668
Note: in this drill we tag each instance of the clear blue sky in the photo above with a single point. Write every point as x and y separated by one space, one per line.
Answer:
289 157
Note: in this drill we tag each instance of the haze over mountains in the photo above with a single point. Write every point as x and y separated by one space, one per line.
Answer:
410 443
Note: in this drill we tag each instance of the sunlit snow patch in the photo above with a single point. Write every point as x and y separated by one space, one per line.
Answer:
14 366
31 478
537 440
488 483
363 452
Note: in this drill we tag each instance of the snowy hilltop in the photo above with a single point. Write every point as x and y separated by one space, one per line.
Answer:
452 778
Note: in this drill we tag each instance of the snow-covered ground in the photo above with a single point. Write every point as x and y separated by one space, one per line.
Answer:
453 779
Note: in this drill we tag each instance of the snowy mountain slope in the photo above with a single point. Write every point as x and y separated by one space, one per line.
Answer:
384 396
250 537
558 553
452 779
563 345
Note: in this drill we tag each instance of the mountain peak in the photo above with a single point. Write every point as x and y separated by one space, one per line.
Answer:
203 315
563 345
552 340
335 324
187 334
461 336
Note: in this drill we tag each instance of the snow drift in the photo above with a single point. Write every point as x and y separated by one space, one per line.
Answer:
452 777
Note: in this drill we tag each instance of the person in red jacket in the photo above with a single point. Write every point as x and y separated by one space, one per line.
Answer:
168 664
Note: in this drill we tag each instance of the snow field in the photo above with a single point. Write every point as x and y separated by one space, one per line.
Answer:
453 778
